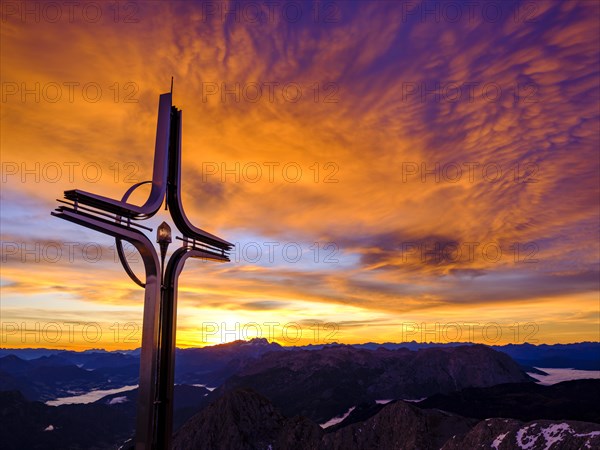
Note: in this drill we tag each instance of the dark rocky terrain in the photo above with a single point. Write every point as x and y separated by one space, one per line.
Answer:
508 434
99 425
50 377
573 400
66 373
399 425
275 396
44 374
188 401
213 365
34 425
321 384
244 420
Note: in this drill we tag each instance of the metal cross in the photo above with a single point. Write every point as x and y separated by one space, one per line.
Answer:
154 422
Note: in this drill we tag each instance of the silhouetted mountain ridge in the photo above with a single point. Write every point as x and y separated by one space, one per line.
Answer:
580 355
321 384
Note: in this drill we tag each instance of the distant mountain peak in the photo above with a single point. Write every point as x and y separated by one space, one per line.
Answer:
254 343
259 341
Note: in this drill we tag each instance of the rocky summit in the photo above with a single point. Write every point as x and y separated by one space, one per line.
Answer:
508 434
245 420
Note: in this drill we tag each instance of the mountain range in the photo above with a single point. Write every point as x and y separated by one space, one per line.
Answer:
261 395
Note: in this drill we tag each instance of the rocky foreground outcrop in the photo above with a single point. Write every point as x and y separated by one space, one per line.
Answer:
508 434
245 420
398 426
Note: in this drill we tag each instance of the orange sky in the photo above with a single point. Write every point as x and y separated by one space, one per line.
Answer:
404 175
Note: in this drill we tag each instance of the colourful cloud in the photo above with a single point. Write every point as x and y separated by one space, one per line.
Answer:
440 165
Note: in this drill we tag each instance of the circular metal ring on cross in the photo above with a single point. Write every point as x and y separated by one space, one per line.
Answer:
119 242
